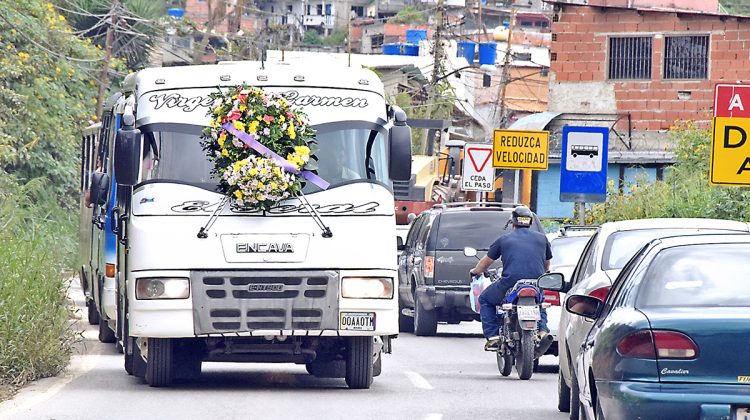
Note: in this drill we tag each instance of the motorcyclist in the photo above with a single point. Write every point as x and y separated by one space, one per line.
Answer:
525 254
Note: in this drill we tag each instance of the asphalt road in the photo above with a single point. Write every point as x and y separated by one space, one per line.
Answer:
443 377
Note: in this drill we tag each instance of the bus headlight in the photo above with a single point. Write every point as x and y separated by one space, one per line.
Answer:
162 288
367 287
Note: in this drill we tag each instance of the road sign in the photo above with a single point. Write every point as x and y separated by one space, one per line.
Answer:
730 150
478 173
583 170
518 149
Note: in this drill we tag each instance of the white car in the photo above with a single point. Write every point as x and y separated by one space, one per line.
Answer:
606 253
567 246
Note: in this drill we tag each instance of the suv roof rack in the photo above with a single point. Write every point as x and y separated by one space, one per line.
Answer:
574 228
476 204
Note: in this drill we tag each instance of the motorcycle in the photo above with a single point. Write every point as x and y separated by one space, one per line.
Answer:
518 316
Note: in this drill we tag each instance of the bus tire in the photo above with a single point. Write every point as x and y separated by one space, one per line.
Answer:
159 364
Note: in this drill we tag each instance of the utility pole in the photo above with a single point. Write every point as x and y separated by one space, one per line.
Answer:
104 82
348 12
479 25
506 66
437 70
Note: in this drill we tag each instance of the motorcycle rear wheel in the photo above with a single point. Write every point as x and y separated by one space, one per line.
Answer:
525 355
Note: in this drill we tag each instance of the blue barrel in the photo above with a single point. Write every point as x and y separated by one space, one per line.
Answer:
413 36
466 49
487 52
410 49
176 12
391 49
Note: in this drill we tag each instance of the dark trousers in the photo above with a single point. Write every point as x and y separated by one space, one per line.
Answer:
490 299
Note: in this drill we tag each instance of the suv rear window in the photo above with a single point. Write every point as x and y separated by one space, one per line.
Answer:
476 229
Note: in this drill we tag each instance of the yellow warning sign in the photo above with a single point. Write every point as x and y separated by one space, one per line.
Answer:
520 149
730 151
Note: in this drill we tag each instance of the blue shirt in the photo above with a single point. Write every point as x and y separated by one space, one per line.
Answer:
523 253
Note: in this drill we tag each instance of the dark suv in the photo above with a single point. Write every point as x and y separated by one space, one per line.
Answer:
433 270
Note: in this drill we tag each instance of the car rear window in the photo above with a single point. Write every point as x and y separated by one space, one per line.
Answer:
621 246
476 229
698 275
567 250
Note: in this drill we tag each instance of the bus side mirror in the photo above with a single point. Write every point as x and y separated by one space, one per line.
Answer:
399 159
127 156
99 188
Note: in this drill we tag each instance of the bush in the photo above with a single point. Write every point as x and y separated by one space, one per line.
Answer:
684 191
36 242
409 15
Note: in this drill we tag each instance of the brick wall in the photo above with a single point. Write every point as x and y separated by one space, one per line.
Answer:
580 82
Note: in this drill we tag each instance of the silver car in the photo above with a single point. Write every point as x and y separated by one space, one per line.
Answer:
608 250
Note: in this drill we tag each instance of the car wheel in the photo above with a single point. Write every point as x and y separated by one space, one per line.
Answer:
563 394
425 321
359 362
575 402
159 364
405 322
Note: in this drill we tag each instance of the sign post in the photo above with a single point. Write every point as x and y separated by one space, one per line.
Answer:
478 173
583 170
730 150
520 149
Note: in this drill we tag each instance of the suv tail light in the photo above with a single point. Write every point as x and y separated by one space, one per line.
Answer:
657 344
551 297
429 267
600 293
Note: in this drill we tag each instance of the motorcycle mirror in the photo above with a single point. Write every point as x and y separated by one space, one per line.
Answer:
470 252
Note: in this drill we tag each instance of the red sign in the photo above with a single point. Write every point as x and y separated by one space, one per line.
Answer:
732 101
479 155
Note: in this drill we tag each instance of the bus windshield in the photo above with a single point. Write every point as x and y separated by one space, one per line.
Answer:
349 152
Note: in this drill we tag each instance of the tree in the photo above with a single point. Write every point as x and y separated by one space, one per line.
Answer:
47 89
408 15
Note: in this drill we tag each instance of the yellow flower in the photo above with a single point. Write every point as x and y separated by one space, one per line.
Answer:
253 172
224 152
290 131
282 119
253 127
238 194
260 185
259 118
302 150
261 197
277 171
238 165
239 125
222 139
285 186
273 185
243 108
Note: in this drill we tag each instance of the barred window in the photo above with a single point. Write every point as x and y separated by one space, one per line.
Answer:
686 57
630 58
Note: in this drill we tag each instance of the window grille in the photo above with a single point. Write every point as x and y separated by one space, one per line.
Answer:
686 57
630 58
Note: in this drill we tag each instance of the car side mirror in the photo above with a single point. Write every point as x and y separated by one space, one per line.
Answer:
399 158
99 188
585 306
551 281
127 156
400 244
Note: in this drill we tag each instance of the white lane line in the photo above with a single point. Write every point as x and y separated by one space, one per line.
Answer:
434 416
418 380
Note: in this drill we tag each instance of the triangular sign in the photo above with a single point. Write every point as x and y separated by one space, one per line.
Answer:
481 156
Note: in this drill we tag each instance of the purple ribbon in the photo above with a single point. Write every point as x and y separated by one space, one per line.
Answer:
254 144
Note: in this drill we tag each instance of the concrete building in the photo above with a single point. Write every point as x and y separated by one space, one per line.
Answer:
636 70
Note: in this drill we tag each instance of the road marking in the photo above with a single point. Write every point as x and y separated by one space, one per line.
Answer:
418 380
434 416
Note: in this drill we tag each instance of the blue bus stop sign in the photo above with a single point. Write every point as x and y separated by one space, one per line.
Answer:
583 171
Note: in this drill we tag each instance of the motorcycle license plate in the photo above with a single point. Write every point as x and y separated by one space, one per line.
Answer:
528 313
742 414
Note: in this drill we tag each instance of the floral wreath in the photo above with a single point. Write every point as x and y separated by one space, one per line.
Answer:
262 149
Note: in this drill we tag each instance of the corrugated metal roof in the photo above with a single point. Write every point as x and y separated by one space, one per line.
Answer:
537 121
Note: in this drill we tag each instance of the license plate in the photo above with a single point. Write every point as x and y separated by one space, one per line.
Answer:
357 321
742 414
528 313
